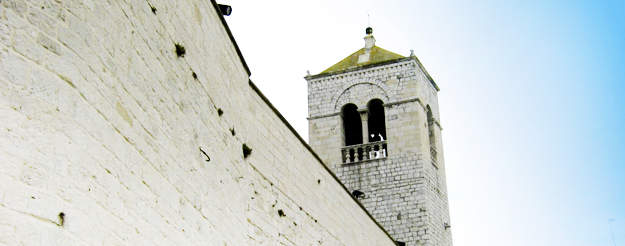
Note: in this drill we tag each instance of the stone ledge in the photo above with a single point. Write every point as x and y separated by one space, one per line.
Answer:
363 161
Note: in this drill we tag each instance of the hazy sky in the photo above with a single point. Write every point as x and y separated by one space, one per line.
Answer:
532 101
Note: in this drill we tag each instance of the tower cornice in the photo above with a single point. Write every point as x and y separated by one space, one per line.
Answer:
379 65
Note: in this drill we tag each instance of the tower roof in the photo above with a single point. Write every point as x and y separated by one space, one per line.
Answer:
368 55
376 55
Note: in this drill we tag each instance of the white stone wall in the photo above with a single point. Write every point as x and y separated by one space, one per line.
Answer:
101 125
406 195
405 192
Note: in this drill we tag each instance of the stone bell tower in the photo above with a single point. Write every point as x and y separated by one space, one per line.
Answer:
373 119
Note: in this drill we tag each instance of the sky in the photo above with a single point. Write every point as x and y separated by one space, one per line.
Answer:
532 101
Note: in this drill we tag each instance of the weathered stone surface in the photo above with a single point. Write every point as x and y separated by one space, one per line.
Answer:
406 191
101 126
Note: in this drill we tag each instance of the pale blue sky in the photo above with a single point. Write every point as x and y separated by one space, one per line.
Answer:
532 101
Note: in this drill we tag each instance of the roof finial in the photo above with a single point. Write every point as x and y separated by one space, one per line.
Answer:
369 39
369 44
412 53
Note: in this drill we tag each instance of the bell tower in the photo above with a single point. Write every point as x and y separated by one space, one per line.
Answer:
373 119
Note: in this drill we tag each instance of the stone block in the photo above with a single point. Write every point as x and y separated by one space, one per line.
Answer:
5 34
17 6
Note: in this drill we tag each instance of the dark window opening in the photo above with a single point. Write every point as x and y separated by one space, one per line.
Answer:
377 124
352 125
431 128
432 136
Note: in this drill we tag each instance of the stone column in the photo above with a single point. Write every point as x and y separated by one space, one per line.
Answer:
364 116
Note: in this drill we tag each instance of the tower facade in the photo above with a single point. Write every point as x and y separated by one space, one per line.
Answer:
373 119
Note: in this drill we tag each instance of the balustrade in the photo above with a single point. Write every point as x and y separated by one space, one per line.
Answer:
363 152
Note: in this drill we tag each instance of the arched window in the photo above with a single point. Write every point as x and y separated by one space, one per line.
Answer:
377 124
352 125
368 140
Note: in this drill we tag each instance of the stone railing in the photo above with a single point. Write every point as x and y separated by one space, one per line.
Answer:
363 152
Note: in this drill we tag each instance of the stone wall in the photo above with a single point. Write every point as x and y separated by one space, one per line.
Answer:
406 195
101 128
405 192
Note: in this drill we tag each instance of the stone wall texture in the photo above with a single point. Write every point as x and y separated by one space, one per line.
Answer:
101 126
406 191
